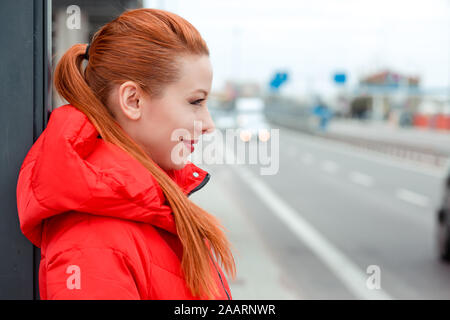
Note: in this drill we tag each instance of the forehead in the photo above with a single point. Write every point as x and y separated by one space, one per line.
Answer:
195 73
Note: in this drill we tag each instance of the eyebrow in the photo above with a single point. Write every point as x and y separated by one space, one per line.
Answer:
201 90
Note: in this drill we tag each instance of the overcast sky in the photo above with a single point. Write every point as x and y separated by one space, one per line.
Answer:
250 40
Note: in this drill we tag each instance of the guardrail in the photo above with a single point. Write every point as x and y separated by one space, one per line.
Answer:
424 155
288 113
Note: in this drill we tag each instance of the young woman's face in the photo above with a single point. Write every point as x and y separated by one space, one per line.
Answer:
165 127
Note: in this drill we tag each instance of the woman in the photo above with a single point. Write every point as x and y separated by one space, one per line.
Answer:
104 190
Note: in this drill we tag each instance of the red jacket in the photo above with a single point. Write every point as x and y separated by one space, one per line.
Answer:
100 218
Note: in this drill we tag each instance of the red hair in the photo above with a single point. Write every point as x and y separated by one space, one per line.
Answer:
144 45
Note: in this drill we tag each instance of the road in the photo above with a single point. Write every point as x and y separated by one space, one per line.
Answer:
331 212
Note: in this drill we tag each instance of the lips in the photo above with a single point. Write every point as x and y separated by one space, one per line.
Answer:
189 143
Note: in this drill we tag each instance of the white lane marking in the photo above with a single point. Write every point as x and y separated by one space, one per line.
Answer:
412 197
307 158
361 179
369 155
344 269
329 166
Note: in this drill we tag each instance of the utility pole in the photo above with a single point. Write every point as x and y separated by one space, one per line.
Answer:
236 53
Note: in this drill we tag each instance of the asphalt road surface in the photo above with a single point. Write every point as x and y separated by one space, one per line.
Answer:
340 222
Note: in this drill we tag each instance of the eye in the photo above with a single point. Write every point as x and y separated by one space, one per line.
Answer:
197 102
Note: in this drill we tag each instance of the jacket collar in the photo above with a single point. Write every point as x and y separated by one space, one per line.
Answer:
70 168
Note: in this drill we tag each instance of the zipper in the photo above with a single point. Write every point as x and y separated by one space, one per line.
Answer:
201 185
220 277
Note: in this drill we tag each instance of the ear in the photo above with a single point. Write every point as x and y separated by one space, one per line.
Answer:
129 95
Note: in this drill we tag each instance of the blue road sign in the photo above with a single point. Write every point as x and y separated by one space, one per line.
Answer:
278 79
340 78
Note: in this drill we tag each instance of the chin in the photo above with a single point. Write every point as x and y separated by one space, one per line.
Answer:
178 166
172 165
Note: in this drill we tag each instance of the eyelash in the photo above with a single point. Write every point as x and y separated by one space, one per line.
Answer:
195 102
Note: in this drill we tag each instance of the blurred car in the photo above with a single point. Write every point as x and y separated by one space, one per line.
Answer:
225 121
443 222
253 126
250 119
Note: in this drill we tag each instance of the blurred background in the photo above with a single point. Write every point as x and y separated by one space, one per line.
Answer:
360 94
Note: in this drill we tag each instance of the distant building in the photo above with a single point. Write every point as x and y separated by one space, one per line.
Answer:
381 94
389 79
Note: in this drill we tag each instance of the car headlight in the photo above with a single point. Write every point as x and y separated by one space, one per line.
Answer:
264 135
245 135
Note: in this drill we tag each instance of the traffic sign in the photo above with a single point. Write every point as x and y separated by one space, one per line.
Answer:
278 79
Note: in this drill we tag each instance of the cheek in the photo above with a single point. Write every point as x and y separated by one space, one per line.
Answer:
160 139
180 124
161 128
156 125
169 118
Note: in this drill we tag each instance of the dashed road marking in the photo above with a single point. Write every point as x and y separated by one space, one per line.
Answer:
412 197
361 179
329 166
370 155
343 268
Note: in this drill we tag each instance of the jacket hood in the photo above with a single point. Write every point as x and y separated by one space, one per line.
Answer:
70 168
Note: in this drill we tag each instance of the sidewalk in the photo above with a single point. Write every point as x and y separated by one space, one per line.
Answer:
258 277
384 131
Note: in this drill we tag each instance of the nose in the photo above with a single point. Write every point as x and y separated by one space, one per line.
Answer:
208 123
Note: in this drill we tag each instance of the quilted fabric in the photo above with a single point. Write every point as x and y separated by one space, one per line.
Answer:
100 218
